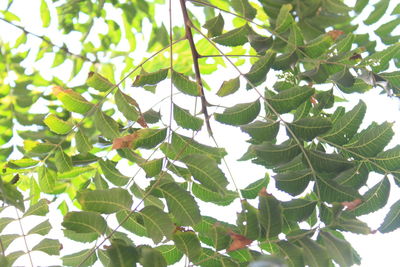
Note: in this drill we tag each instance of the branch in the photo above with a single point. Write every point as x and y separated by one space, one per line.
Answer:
48 41
195 56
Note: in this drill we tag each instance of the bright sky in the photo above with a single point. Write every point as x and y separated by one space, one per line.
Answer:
375 250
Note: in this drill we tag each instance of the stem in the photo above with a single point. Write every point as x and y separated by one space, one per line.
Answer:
24 237
48 41
195 56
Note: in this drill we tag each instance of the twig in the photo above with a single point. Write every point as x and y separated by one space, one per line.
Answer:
195 55
48 41
24 237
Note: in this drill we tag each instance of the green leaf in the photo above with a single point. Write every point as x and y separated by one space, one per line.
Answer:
208 195
57 125
344 128
260 43
80 237
323 162
330 191
112 174
374 199
229 87
293 182
290 99
186 120
108 127
7 239
339 249
63 162
259 70
131 222
219 236
270 215
157 223
45 14
360 5
82 142
389 159
239 114
48 246
205 170
214 26
351 224
105 201
83 258
47 180
42 228
184 84
354 177
277 154
234 37
261 131
188 243
181 204
127 105
244 8
293 254
251 191
152 167
392 219
41 208
385 30
98 82
170 253
84 222
318 46
298 209
379 11
13 256
314 254
152 78
310 127
24 163
284 19
148 138
343 78
122 254
150 257
372 140
379 61
248 222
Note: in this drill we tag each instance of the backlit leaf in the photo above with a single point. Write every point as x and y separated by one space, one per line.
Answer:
293 182
208 195
150 257
239 114
244 8
248 222
379 11
234 37
112 174
277 154
84 258
63 161
392 219
229 87
188 243
42 228
270 215
57 125
251 191
127 105
84 222
339 249
48 246
261 131
310 127
157 223
184 84
324 162
45 14
170 253
284 18
82 142
41 208
122 254
131 222
108 127
152 78
105 201
330 191
314 254
290 99
47 180
259 70
186 120
214 26
298 209
72 101
99 82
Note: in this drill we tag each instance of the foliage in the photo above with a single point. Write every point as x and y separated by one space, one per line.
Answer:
68 149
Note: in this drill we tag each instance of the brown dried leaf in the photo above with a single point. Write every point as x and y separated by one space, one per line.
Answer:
124 141
352 204
335 34
239 241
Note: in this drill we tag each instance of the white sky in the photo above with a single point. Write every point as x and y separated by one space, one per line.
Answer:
375 250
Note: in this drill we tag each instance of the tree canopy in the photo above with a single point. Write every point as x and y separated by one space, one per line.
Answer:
109 116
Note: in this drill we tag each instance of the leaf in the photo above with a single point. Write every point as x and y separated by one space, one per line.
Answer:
379 61
157 223
251 191
131 222
374 199
108 127
310 127
293 254
7 239
45 14
348 223
318 46
48 246
122 254
208 195
152 78
259 70
290 99
277 154
127 105
62 161
293 182
330 191
261 131
229 87
270 215
41 208
234 37
247 221
239 114
152 167
105 201
184 84
150 257
360 5
99 82
379 11
82 142
372 140
188 243
205 170
186 120
389 159
284 19
47 180
298 209
170 253
344 128
339 249
80 237
84 222
354 177
214 26
57 125
83 258
343 78
244 8
42 228
239 242
181 204
72 101
314 254
260 43
323 162
112 174
392 219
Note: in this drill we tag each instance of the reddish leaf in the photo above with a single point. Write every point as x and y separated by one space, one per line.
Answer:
142 122
124 141
239 241
335 34
352 204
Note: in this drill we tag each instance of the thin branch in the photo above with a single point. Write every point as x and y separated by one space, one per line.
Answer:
24 237
205 56
171 66
195 56
48 41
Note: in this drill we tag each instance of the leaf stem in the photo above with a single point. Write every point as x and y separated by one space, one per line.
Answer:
24 237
